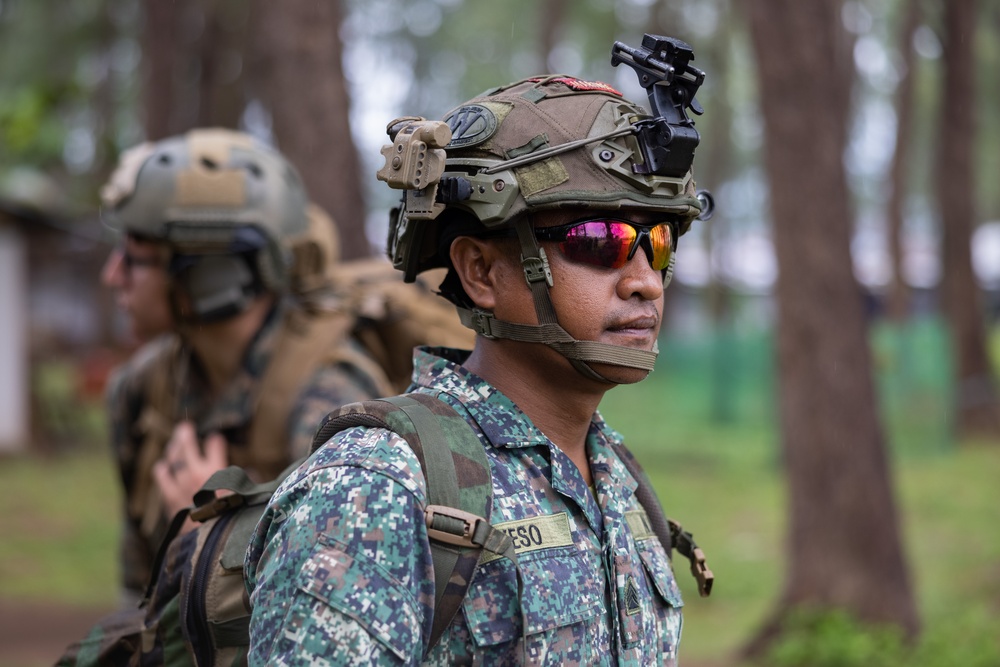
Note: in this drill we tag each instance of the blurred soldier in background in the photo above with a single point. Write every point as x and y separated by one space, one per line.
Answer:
265 334
223 268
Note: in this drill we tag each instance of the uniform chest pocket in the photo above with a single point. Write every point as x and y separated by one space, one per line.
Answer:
659 570
561 587
667 609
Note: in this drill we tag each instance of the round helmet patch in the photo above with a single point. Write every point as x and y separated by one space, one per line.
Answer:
471 125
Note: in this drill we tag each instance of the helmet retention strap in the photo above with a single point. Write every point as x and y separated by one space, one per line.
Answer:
548 331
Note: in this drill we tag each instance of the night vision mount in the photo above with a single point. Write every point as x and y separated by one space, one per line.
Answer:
668 139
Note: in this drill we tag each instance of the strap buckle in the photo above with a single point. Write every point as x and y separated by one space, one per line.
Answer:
703 575
685 545
452 526
481 323
537 269
216 506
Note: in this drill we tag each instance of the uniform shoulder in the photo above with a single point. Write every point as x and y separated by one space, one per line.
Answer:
135 371
374 451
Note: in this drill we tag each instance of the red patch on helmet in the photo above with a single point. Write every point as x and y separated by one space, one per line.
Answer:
580 84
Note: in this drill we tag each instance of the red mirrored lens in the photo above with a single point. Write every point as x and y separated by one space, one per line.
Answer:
662 242
599 242
609 243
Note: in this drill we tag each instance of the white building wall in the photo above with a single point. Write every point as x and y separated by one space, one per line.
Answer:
14 380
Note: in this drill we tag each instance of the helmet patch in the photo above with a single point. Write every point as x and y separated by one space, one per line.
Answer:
580 84
471 125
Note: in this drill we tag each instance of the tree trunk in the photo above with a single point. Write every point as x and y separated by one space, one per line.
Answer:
844 549
221 63
977 411
170 92
899 294
298 72
159 49
553 15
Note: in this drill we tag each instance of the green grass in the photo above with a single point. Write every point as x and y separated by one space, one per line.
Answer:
59 517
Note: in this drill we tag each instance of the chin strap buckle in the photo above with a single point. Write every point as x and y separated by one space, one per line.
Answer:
537 268
479 321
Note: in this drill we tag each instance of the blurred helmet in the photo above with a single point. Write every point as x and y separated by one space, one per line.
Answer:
225 205
543 143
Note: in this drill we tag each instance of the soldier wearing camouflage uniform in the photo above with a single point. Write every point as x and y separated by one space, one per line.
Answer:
213 226
543 199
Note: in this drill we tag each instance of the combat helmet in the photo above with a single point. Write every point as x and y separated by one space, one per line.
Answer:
227 206
547 142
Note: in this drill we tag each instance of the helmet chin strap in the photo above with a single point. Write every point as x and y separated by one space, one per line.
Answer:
580 353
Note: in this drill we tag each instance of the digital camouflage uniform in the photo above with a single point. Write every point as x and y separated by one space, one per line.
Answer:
331 385
339 570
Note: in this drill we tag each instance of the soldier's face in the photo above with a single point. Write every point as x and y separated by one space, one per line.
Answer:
619 306
136 271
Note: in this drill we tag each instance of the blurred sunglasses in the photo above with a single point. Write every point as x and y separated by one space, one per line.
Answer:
130 261
610 242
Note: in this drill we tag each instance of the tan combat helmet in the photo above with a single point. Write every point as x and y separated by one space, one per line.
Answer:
543 143
225 205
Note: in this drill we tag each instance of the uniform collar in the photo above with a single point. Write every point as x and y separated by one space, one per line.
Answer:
503 423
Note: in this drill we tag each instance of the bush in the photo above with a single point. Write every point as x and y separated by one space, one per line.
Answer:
835 639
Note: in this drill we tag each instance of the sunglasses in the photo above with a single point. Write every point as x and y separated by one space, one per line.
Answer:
130 261
610 242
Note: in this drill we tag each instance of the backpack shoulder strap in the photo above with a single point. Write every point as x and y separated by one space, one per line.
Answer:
244 492
459 488
669 532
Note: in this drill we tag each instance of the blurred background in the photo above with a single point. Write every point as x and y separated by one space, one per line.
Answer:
824 414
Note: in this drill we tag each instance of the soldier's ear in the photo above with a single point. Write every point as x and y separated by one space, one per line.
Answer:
482 266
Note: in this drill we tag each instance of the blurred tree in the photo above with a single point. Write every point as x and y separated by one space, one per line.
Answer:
844 548
977 411
715 164
298 73
160 50
899 294
206 60
553 17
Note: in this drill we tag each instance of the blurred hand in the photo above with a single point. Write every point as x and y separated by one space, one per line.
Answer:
184 469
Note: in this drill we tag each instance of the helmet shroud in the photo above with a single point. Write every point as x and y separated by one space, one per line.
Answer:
227 207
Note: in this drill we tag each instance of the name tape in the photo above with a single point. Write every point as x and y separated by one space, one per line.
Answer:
540 532
638 523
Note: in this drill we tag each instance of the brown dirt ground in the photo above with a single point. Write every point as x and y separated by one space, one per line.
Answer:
35 634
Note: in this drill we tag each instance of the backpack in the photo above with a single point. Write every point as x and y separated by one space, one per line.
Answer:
391 317
197 611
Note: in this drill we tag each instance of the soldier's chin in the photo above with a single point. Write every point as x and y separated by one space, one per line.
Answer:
620 374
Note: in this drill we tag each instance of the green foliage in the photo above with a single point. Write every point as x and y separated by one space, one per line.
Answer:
63 89
834 639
